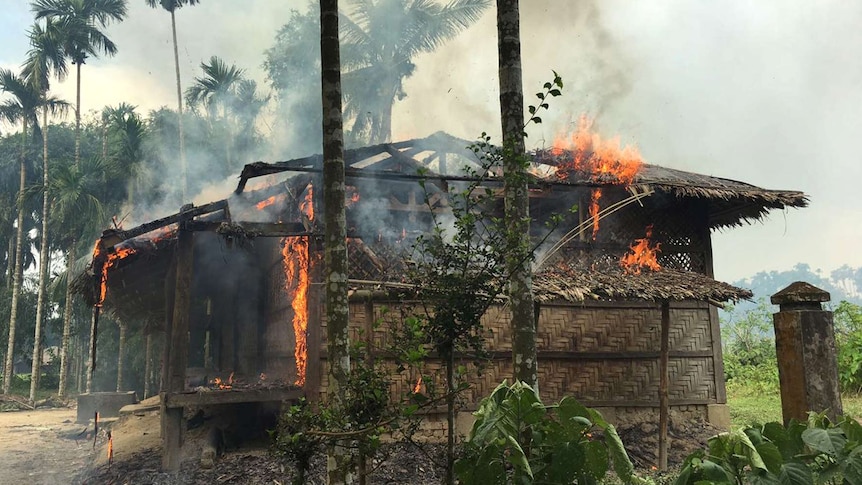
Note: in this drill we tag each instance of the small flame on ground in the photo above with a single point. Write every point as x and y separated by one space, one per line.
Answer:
418 386
262 377
219 383
642 255
110 448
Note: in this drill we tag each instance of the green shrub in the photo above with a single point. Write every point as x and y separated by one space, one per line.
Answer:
816 452
517 439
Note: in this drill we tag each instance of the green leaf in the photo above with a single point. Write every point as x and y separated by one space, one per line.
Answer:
795 473
532 109
537 120
555 92
596 459
830 441
517 457
548 86
851 467
622 464
771 456
540 95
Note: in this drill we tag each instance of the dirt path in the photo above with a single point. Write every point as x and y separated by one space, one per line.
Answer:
37 447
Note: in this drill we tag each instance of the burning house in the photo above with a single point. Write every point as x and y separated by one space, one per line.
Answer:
625 295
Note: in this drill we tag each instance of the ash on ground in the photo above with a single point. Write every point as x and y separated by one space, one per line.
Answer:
398 463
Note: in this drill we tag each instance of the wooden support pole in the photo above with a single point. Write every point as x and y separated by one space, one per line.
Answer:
664 407
121 354
94 328
148 364
172 418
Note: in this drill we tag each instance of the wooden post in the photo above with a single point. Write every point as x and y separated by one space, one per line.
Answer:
121 357
664 378
148 363
175 372
313 337
94 328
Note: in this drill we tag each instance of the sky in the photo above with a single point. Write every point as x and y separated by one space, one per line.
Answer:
764 92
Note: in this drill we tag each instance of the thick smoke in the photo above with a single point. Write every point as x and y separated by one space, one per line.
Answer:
763 92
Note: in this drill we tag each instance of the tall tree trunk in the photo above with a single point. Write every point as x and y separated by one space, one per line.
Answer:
10 265
183 164
36 369
517 196
18 275
78 117
67 322
339 467
450 416
121 355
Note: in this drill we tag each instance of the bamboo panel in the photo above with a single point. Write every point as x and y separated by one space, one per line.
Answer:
614 380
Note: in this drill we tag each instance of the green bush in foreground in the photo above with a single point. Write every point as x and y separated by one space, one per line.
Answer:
517 439
816 452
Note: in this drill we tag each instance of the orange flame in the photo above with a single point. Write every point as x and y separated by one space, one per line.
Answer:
265 203
295 259
603 160
418 386
594 210
351 196
642 255
108 261
219 383
110 448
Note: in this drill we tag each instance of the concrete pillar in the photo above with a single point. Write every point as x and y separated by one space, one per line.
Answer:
805 346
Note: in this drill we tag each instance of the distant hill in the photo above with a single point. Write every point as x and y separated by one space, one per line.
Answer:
844 283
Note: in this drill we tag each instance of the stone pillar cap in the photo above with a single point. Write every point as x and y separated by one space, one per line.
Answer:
800 292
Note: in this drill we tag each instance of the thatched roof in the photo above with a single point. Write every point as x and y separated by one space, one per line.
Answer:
442 156
610 282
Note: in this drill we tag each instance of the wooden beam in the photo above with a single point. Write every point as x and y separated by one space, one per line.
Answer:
251 229
172 417
180 400
664 402
166 221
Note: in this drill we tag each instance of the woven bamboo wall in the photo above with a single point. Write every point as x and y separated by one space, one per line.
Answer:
603 354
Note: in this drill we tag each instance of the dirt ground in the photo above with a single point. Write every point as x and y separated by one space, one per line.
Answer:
43 447
46 447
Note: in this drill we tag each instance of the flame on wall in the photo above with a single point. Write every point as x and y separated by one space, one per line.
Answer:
642 254
108 261
294 251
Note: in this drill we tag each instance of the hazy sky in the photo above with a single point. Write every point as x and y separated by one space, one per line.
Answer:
766 92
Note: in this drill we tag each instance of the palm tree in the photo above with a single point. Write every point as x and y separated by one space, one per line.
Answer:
21 108
516 195
339 468
217 92
44 57
80 22
76 209
381 38
171 6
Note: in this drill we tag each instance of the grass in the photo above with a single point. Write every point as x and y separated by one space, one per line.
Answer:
755 405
